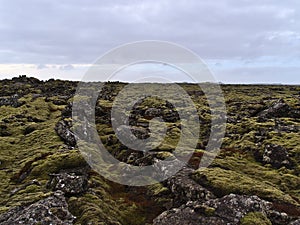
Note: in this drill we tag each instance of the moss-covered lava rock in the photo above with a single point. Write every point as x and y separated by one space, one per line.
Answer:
253 180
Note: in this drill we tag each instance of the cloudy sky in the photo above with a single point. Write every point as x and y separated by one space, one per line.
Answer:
242 41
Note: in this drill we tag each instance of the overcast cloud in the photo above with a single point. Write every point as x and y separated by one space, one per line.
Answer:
236 37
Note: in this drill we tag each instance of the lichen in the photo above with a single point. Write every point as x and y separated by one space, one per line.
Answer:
255 218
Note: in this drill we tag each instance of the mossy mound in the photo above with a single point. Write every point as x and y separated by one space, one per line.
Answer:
255 218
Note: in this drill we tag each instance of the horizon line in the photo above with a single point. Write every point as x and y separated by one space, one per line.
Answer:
177 82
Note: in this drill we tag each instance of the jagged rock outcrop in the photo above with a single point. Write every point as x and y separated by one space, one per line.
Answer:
187 214
278 109
185 189
62 128
230 209
277 156
67 111
281 126
234 207
51 210
12 101
69 183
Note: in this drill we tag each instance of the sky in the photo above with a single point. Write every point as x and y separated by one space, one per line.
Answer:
241 41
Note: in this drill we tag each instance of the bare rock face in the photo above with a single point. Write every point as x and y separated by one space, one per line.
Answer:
69 183
234 207
67 111
276 155
230 209
52 210
281 126
62 128
187 214
153 112
185 189
11 101
277 109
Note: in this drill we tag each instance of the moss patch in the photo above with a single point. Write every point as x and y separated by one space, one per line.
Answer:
223 182
255 218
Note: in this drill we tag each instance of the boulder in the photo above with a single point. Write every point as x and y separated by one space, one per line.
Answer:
233 207
277 156
52 210
11 101
186 189
186 214
69 183
62 128
281 126
67 111
278 109
153 112
230 209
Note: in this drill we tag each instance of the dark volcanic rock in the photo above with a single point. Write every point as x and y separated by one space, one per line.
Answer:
67 111
185 189
136 132
52 210
227 210
186 215
277 109
230 209
11 101
234 207
62 128
153 112
3 130
29 129
277 156
62 100
281 126
34 119
69 183
278 218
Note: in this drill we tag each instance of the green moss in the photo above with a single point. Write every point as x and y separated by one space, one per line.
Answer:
158 189
31 189
22 151
255 218
54 108
287 140
105 104
283 179
209 211
56 162
223 182
41 152
3 209
100 207
163 155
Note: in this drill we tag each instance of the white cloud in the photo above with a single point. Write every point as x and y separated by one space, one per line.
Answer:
53 32
41 66
66 67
